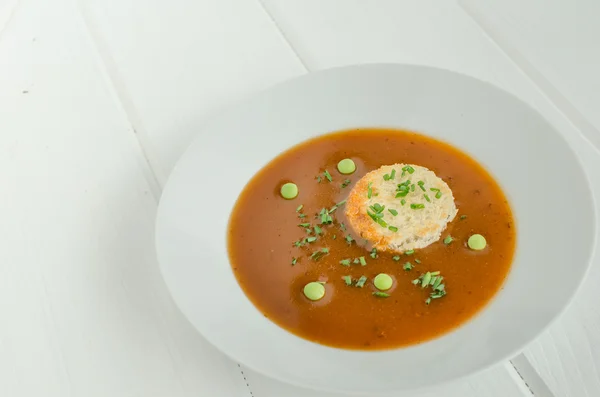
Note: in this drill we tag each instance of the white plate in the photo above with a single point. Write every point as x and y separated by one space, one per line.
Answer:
541 175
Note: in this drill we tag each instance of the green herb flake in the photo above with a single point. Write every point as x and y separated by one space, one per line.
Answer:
301 216
294 261
334 236
425 280
407 266
349 239
396 258
374 253
318 230
342 226
380 294
409 252
299 208
392 211
347 280
402 201
448 240
369 191
393 174
310 239
421 183
382 223
408 169
386 177
417 260
362 261
412 187
345 183
361 282
345 262
427 301
319 254
463 217
427 198
305 225
417 206
393 228
318 178
416 281
328 176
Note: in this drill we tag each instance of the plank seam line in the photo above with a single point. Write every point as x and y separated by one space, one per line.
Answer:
283 35
245 380
122 100
563 105
12 9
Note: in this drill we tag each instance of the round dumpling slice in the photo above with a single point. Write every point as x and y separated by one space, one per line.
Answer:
400 207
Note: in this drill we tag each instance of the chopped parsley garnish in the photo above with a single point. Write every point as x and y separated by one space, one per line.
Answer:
318 254
402 201
349 239
417 206
433 280
463 217
396 258
345 183
369 190
326 219
407 266
305 225
345 262
374 253
318 230
417 260
448 240
421 183
342 226
392 211
427 198
393 228
328 176
412 187
294 261
393 174
409 252
361 282
380 294
362 261
347 280
310 239
438 195
336 206
301 216
299 208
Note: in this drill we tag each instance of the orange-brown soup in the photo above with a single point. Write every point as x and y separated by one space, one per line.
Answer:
272 271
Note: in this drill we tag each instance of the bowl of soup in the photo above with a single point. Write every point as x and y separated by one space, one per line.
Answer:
375 228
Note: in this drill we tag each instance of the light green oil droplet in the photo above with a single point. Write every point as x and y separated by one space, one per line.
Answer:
383 282
289 191
314 291
477 242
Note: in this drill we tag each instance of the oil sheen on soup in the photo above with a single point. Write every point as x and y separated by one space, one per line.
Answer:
402 241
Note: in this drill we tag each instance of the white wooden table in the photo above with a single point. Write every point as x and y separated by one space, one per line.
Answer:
98 99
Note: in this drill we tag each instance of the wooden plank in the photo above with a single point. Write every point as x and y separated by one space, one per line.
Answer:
501 381
84 309
174 63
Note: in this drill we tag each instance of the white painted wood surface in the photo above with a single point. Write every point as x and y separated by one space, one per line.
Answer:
97 101
559 47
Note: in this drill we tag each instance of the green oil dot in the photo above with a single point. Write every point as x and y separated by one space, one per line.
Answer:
289 191
346 166
314 290
383 282
477 242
